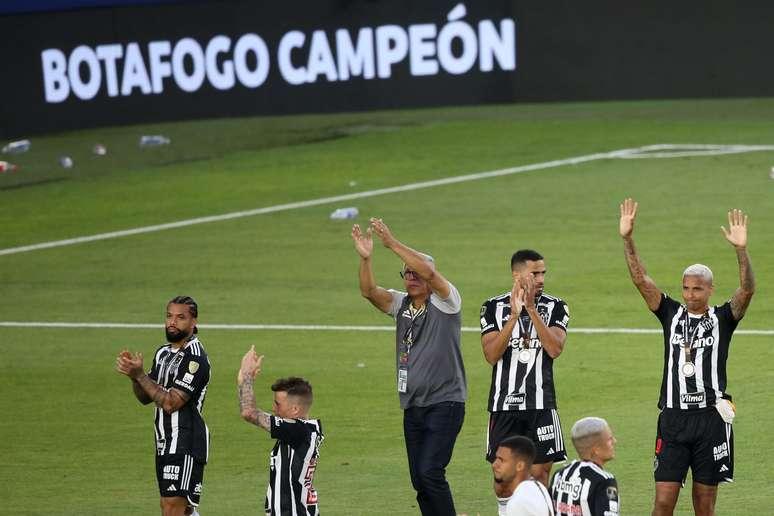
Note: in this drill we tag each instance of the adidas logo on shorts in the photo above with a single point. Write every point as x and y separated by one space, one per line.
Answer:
172 488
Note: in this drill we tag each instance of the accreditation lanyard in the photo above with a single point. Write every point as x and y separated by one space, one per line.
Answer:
688 368
411 335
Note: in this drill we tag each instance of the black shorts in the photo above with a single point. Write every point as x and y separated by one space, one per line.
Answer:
180 475
698 439
540 425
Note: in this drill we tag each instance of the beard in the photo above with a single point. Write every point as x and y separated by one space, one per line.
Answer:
175 335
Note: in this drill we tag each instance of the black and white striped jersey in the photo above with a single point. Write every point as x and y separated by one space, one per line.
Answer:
293 463
523 378
583 488
188 370
697 379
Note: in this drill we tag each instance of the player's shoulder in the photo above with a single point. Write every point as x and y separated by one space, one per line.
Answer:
551 298
505 297
195 348
564 468
315 425
595 472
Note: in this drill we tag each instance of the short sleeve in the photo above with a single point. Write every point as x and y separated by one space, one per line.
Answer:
606 498
725 313
154 372
451 305
288 430
666 308
192 375
397 300
488 321
560 316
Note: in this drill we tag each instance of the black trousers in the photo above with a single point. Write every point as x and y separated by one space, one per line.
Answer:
430 434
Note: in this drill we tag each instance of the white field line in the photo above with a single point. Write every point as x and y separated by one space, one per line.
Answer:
669 150
308 327
638 152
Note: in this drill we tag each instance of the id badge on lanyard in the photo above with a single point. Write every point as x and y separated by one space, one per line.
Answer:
402 379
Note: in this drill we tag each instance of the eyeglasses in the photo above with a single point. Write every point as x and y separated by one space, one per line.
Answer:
408 274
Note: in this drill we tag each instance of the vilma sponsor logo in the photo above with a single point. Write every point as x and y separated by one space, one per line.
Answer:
692 398
515 398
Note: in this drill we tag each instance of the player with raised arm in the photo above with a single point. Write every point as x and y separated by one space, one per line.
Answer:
297 450
695 425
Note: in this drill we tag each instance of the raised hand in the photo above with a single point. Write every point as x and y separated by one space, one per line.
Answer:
628 214
736 233
382 231
517 299
251 365
130 364
528 284
364 244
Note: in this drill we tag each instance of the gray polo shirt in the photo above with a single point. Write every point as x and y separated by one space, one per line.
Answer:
434 360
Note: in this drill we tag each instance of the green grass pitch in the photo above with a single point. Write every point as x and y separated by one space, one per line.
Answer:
73 440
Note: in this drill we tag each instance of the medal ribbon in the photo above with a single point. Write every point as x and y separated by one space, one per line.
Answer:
690 336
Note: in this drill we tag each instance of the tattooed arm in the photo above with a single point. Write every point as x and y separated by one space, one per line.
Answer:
647 287
145 389
736 234
251 366
139 393
247 408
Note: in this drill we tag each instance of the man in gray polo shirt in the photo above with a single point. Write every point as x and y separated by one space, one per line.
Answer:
429 371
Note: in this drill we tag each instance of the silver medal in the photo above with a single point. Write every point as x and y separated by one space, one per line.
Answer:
688 369
525 356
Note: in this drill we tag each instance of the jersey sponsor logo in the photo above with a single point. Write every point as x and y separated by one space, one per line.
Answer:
515 398
692 398
311 497
183 384
546 433
571 488
188 378
198 488
193 367
720 451
701 342
566 508
170 472
519 342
